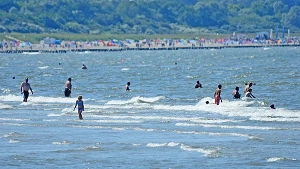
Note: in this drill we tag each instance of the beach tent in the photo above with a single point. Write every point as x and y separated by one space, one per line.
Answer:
192 41
28 43
184 42
22 44
57 42
128 41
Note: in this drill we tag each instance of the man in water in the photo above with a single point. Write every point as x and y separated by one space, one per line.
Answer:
127 86
68 87
25 87
198 85
217 95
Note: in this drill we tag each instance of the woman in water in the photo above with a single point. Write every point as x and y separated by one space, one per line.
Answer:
236 94
79 102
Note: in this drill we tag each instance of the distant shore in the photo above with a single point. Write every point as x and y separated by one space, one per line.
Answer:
36 49
178 46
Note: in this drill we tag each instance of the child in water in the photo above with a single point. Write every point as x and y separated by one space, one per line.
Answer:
79 102
127 86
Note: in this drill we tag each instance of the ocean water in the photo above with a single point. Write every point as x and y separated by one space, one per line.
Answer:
163 122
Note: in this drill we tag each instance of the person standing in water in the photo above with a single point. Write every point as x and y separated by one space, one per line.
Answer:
236 94
198 85
217 95
127 86
79 102
248 87
68 87
25 87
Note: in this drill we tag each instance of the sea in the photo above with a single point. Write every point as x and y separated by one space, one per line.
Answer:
163 121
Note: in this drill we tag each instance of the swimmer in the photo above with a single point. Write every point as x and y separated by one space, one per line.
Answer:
198 85
83 66
236 94
79 102
207 102
272 106
217 95
127 86
249 94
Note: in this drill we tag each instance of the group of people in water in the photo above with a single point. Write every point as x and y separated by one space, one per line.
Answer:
247 91
25 87
235 93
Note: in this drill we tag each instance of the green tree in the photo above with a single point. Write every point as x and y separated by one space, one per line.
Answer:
293 17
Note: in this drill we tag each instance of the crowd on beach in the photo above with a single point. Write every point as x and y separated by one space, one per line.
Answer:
52 43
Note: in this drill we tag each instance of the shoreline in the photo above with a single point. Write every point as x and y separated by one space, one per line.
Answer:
129 48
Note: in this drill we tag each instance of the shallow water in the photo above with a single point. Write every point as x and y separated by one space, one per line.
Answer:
163 122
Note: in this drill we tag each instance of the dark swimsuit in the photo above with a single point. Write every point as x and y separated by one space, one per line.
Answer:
67 92
26 94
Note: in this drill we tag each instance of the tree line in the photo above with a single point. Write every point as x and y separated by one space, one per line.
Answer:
147 16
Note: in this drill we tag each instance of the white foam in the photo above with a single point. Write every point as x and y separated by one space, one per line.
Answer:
251 110
220 134
115 121
230 126
13 119
12 134
91 148
14 141
5 106
43 67
56 114
125 69
61 143
206 152
6 90
39 99
274 159
136 100
171 144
